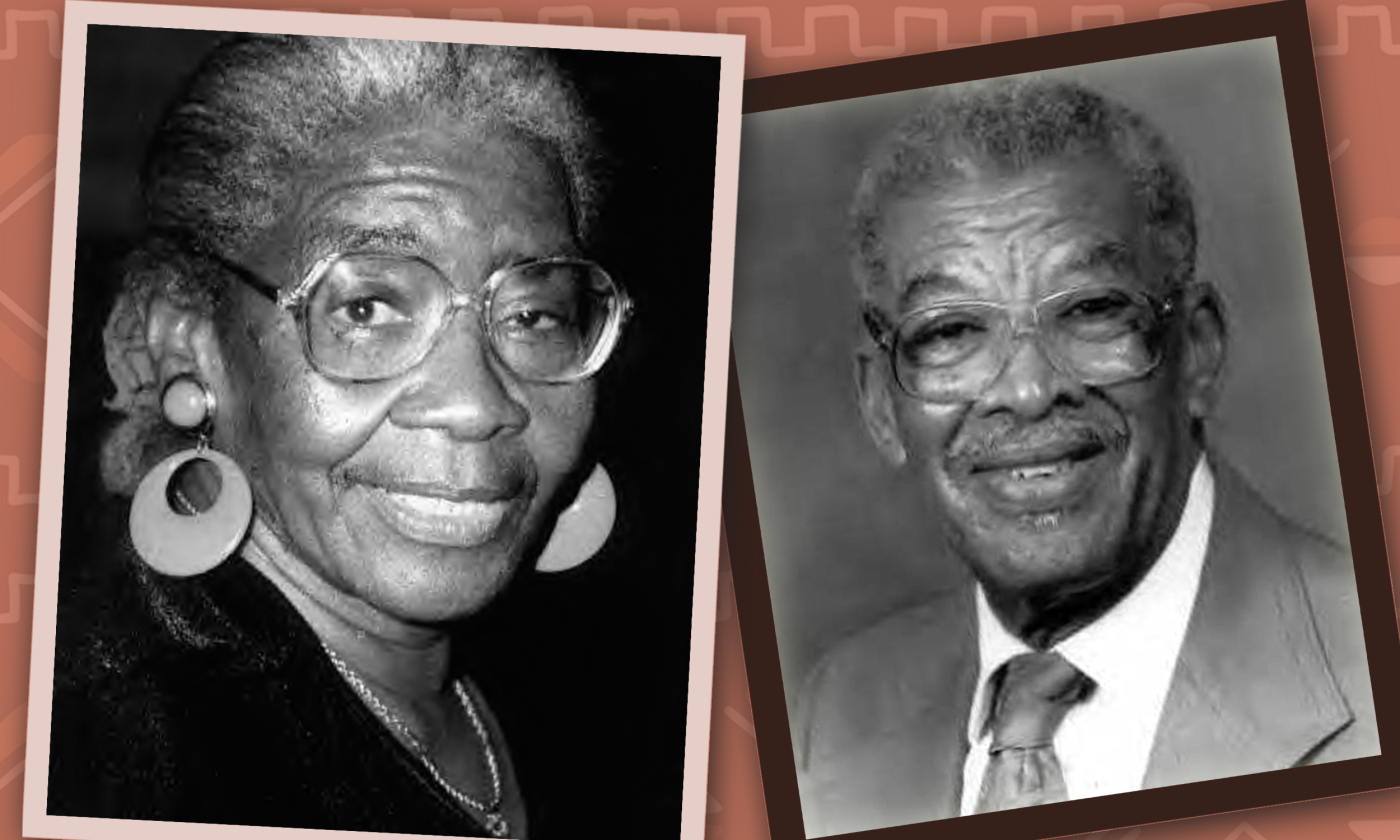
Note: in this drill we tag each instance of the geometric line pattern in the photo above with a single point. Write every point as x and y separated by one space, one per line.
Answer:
1081 13
1375 829
812 14
24 360
1244 830
14 497
554 14
902 15
1344 17
492 13
1388 458
15 610
12 730
14 17
738 718
672 16
8 302
33 190
12 775
584 15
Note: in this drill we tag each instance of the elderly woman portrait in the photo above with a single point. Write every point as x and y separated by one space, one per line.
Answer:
383 435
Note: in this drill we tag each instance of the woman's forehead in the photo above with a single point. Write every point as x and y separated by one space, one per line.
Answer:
424 187
425 209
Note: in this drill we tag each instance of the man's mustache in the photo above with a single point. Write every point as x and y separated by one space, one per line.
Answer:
1005 440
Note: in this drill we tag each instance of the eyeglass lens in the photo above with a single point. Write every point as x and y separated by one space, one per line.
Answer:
373 317
954 352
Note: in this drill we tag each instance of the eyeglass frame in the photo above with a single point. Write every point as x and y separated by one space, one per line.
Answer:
884 334
296 298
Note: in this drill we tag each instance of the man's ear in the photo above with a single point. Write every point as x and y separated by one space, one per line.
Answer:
1204 347
182 341
877 406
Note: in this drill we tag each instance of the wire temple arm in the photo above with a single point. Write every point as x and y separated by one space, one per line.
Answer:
194 246
252 279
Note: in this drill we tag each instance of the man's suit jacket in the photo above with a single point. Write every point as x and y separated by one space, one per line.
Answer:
1272 674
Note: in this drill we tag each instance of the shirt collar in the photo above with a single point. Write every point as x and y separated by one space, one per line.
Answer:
1154 614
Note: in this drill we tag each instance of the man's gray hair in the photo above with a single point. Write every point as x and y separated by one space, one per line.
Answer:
1005 127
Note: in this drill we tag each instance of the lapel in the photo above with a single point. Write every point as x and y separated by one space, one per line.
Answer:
1252 690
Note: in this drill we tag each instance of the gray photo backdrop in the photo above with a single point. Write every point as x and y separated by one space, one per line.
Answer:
845 537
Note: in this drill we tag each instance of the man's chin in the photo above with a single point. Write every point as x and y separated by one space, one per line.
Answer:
1036 551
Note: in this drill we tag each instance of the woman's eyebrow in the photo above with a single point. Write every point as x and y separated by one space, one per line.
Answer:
342 238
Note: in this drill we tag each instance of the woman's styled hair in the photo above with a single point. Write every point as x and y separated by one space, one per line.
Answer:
259 110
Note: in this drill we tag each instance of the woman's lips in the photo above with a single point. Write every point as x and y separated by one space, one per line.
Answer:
441 516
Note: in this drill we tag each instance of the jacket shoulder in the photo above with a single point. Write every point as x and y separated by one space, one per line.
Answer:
876 679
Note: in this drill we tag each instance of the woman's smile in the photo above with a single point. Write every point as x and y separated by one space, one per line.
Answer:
448 516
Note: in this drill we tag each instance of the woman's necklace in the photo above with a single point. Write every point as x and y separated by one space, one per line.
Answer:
495 821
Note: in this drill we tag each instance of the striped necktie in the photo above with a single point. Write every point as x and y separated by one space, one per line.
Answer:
1031 694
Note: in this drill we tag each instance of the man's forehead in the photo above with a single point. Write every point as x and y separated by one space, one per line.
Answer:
1058 213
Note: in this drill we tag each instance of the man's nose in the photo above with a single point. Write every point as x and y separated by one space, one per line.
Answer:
1030 382
461 389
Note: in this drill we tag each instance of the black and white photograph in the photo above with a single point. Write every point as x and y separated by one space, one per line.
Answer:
1043 458
384 499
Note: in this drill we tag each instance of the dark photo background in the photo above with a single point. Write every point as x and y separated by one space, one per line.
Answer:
845 537
586 670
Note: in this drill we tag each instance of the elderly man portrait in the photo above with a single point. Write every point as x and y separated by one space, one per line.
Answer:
1040 359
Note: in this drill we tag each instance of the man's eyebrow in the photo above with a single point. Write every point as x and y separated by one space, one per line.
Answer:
928 284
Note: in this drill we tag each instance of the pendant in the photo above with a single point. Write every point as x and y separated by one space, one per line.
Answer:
496 824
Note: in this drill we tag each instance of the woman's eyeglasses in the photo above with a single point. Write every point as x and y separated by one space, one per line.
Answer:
369 317
953 352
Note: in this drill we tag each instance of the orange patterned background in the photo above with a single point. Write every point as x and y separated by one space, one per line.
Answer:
1358 54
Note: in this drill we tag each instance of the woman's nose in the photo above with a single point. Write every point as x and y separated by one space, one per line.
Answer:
461 389
1030 383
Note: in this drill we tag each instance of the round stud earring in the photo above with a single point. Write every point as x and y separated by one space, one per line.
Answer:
189 542
583 527
186 403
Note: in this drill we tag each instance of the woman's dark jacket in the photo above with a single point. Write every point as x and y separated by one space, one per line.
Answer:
209 700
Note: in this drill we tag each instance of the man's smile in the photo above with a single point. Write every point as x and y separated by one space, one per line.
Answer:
1038 473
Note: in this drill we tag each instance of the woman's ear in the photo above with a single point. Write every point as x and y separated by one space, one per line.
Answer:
877 407
1204 348
181 341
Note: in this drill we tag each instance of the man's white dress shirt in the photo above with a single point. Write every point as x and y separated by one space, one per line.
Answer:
1105 742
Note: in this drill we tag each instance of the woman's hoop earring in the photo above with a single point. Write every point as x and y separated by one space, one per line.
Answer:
182 544
583 527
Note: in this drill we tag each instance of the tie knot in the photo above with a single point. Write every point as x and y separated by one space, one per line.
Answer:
1031 694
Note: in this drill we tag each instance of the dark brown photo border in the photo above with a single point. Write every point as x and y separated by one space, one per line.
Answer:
1287 22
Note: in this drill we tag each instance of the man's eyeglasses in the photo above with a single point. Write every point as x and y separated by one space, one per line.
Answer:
953 352
368 317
